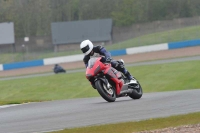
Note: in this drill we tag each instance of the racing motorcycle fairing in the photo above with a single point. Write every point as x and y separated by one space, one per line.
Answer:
95 66
111 83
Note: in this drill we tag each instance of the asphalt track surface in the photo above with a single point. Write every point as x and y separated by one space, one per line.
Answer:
61 114
56 115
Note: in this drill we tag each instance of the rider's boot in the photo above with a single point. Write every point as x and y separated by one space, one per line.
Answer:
129 76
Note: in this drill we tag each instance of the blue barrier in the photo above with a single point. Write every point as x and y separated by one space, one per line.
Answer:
172 45
23 64
118 52
189 43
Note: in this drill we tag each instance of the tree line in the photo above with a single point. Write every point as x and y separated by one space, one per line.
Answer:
34 17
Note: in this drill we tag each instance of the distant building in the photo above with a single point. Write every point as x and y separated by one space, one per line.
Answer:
68 34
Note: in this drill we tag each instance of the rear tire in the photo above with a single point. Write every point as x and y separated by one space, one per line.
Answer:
137 92
100 88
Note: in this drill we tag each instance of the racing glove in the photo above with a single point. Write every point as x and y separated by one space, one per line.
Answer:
108 60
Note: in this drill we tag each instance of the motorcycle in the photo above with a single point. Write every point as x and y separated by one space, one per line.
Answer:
110 83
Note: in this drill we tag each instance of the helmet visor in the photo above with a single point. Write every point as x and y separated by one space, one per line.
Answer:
85 49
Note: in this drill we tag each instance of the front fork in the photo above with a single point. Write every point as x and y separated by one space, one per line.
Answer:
105 81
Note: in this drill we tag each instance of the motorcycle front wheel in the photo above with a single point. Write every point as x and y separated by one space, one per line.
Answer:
107 93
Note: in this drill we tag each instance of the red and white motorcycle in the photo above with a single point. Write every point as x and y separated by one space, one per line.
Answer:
111 83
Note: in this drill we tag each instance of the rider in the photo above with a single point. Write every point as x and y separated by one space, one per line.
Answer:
90 50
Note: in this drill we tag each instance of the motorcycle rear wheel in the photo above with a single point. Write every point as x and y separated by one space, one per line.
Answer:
108 96
137 92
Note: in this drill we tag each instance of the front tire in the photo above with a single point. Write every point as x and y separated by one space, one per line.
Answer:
107 94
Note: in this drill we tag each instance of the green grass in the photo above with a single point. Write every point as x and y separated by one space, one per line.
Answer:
153 78
146 125
188 33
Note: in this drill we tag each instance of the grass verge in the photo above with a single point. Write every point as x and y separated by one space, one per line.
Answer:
153 78
130 127
176 35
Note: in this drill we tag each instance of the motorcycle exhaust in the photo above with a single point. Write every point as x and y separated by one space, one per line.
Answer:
126 92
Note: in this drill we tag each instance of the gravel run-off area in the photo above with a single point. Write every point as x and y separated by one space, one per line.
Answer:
180 129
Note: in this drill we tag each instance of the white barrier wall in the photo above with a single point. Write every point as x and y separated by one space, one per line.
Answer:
74 58
63 59
1 67
143 49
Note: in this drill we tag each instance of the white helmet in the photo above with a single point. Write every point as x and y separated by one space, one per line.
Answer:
86 46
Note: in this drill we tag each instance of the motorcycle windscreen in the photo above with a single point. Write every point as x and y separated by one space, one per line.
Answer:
91 62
